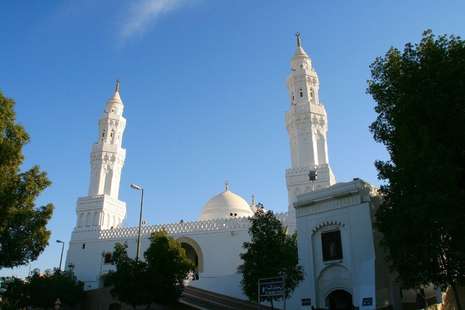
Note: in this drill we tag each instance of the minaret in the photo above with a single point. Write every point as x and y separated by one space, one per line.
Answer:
101 208
307 126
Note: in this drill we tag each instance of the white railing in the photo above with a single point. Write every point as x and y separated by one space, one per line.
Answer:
216 225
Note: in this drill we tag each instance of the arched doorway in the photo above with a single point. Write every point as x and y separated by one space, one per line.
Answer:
339 300
191 254
193 251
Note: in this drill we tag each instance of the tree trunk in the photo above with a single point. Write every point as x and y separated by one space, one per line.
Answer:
457 297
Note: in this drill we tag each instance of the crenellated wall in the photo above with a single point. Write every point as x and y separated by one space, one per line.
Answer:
216 225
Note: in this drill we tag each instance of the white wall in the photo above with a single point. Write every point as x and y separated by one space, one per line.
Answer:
344 206
220 248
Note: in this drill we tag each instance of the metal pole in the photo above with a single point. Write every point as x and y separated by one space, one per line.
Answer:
284 286
61 256
259 299
140 223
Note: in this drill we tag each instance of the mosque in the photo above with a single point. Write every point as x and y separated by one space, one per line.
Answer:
337 244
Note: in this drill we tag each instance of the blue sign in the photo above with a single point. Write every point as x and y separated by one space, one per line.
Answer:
271 287
367 301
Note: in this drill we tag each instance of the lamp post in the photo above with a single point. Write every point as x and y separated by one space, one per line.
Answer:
141 189
61 256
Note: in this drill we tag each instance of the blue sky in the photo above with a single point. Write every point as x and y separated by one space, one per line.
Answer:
203 82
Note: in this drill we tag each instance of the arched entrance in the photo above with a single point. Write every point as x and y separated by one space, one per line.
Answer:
191 254
339 300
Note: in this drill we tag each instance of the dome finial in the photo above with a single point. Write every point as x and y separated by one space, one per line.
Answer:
117 86
226 186
299 39
254 202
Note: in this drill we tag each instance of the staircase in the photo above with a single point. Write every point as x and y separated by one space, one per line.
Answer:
201 299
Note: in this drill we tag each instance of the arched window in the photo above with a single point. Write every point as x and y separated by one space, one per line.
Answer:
301 93
331 245
88 219
81 220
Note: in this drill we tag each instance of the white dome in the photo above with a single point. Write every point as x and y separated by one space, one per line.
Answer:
223 204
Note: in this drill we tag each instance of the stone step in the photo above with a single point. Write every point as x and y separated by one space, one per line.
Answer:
206 300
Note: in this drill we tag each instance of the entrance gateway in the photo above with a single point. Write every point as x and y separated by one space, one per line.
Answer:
191 254
339 300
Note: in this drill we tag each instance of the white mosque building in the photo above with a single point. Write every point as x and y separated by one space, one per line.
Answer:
334 221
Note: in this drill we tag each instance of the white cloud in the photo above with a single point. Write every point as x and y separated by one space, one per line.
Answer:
144 13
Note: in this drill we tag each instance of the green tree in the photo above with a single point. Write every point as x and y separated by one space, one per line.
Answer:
44 289
158 279
23 235
128 282
168 266
420 96
270 253
14 294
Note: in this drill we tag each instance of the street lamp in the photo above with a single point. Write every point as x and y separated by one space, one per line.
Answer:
141 189
61 256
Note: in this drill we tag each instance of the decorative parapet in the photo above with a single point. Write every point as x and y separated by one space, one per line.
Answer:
209 226
304 170
337 196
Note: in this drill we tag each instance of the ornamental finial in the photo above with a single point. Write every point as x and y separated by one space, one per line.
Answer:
254 202
298 37
226 186
117 86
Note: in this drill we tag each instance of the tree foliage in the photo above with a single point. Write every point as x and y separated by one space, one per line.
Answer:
129 281
23 235
270 253
14 294
420 96
42 290
158 279
168 266
46 288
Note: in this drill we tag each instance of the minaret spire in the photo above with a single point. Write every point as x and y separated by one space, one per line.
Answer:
306 123
298 39
299 50
101 208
